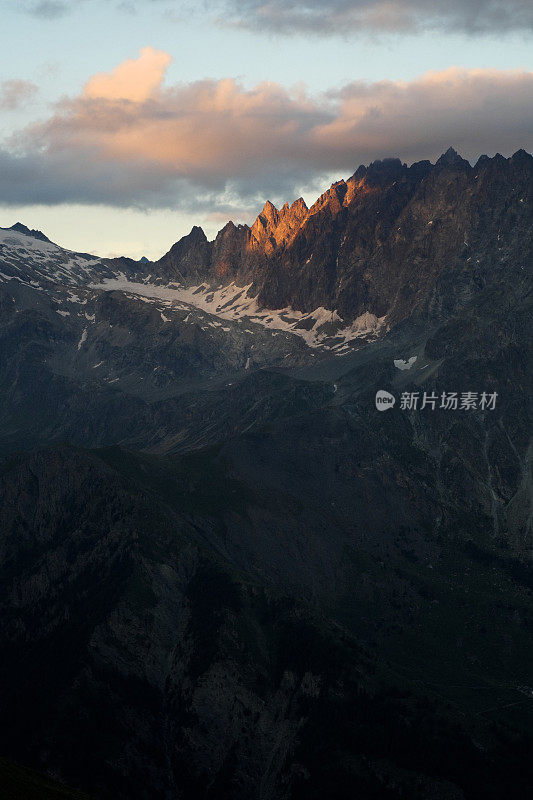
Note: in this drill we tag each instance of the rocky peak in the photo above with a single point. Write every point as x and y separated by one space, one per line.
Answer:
419 169
332 199
482 162
273 228
20 228
452 159
392 209
521 157
263 226
354 184
298 213
192 239
231 238
379 173
270 212
188 257
196 235
227 233
384 172
299 207
359 173
189 242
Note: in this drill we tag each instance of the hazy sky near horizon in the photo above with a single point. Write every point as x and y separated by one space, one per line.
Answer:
122 124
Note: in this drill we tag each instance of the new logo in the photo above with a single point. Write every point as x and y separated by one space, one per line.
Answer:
384 400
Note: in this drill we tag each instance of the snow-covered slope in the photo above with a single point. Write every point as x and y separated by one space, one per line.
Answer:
321 328
77 279
37 262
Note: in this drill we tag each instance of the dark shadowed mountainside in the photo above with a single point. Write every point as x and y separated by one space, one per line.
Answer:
224 573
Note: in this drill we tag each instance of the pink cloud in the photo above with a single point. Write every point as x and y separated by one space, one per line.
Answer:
220 136
134 79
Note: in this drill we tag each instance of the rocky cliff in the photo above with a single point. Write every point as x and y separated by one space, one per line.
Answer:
224 573
377 242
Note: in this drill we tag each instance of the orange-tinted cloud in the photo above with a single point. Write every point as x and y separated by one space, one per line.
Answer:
130 139
136 79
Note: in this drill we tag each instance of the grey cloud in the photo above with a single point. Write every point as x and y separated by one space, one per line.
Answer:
37 179
332 18
16 93
340 17
127 7
52 179
49 9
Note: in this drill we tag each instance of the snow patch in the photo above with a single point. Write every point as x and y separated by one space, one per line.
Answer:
399 363
322 328
83 338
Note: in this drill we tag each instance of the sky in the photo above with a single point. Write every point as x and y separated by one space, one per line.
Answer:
123 124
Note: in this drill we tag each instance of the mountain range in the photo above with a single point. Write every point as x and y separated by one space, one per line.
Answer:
225 573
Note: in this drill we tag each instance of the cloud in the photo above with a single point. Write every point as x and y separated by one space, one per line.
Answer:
135 79
129 140
48 9
341 17
16 93
332 18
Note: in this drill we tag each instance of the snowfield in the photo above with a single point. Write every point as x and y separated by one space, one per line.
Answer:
69 277
322 328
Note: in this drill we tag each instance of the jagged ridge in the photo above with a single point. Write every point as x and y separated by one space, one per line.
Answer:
374 243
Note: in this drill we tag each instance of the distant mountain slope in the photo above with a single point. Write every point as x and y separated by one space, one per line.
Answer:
225 574
19 783
323 607
392 243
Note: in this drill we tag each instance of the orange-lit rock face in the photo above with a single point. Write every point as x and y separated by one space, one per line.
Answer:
222 268
273 228
376 242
